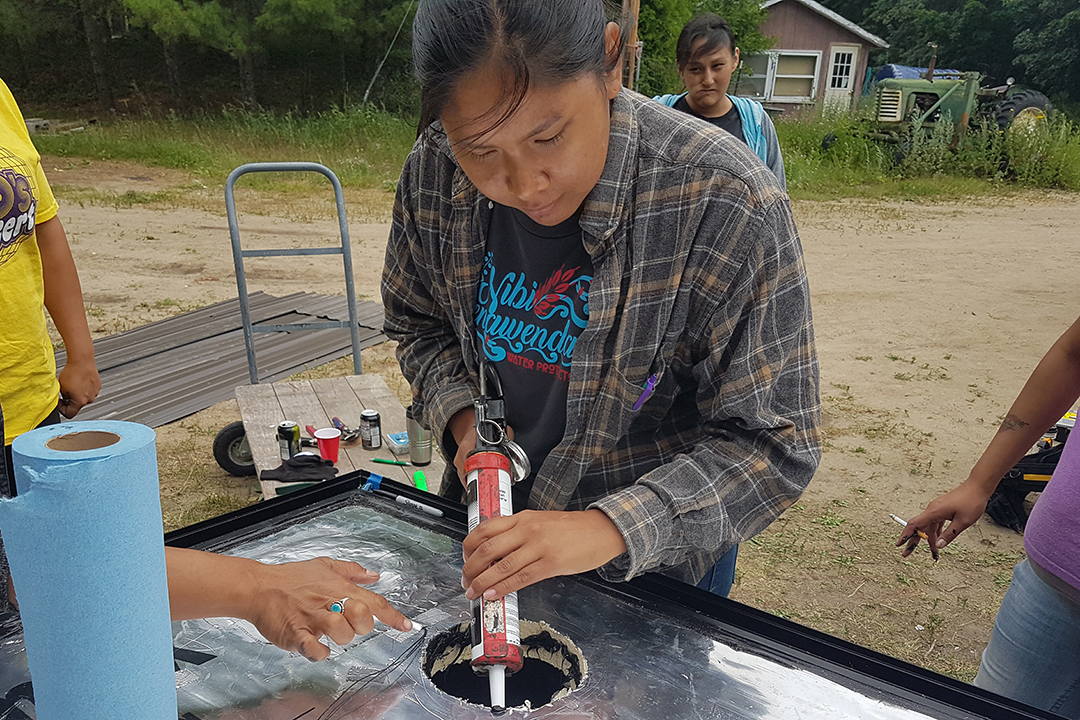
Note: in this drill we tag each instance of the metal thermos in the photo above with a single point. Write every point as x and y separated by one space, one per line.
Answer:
419 440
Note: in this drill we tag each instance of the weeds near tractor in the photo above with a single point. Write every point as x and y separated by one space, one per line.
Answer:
1044 154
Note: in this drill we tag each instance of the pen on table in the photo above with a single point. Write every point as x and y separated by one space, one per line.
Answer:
385 461
920 533
401 499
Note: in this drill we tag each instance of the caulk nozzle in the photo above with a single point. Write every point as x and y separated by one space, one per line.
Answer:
497 686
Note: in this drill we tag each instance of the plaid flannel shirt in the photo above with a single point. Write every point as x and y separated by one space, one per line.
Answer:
698 279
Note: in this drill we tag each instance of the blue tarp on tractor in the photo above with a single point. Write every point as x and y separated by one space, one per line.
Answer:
906 72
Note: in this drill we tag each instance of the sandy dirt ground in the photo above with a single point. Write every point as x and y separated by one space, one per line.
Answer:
929 317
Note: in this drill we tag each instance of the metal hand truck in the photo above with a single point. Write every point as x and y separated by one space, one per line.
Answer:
231 448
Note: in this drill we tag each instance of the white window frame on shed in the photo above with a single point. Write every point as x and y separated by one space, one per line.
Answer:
771 76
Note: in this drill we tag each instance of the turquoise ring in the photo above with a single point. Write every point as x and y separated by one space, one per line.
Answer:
338 606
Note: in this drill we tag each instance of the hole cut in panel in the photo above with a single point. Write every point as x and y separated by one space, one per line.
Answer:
552 667
83 440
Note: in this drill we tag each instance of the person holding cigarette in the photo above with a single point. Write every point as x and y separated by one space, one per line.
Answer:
1034 651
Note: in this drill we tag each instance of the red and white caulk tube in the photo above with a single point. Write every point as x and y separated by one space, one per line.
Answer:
496 640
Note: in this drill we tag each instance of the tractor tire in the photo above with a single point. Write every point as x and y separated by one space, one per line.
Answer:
1022 103
232 452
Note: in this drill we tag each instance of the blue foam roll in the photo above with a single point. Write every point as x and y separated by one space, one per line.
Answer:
87 555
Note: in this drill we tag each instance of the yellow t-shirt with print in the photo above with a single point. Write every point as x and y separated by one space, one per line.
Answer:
29 390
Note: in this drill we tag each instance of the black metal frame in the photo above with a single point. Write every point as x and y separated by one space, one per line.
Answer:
740 625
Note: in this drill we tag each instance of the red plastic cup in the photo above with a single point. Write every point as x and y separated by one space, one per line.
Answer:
329 442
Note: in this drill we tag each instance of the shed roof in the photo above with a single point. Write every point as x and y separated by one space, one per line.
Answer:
836 18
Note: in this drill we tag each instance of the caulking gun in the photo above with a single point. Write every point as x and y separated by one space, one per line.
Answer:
490 469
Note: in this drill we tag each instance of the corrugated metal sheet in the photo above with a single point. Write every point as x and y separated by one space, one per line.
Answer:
167 370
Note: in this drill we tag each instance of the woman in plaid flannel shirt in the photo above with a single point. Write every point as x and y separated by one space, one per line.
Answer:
691 413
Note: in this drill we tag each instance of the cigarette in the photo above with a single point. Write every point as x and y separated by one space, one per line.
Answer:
920 533
904 523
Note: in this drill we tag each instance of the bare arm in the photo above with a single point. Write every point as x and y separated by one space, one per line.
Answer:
79 381
289 603
1050 391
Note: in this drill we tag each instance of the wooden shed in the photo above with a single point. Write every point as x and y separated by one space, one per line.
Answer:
819 60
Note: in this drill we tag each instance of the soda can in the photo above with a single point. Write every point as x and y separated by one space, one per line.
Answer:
370 430
288 437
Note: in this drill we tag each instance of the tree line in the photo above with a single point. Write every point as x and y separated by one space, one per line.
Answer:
309 55
1035 41
189 54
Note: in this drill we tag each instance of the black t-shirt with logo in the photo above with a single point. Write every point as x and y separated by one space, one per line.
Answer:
730 121
532 304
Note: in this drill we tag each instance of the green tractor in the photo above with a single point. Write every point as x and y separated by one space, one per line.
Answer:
904 106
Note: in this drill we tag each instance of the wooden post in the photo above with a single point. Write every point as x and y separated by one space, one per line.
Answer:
630 9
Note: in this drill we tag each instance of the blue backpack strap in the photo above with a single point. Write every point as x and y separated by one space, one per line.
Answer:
751 113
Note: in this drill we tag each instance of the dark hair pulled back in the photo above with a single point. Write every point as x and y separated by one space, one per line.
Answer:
536 41
711 28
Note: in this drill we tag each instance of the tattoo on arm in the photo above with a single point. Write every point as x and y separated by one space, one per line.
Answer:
1012 422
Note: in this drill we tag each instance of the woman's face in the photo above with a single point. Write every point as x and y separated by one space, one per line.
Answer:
546 157
707 77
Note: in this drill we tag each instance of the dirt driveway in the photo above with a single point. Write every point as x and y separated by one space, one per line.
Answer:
929 318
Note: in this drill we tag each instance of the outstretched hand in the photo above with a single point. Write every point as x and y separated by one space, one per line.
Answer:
961 507
290 605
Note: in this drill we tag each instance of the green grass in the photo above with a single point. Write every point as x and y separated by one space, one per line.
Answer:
364 147
985 162
120 201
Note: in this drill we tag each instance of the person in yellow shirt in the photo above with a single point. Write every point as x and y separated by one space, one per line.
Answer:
37 273
292 604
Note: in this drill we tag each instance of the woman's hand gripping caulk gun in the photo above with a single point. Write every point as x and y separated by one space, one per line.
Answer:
489 472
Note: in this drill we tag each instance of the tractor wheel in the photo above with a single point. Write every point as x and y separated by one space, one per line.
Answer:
232 452
1025 106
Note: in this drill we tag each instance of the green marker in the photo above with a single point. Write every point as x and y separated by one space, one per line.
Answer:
419 480
384 461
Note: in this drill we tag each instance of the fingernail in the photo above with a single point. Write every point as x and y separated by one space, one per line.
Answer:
463 585
941 543
407 624
489 594
470 594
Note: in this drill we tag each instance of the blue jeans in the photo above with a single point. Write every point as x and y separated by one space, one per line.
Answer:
720 576
1034 651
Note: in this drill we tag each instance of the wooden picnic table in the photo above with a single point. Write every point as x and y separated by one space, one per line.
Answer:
315 402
